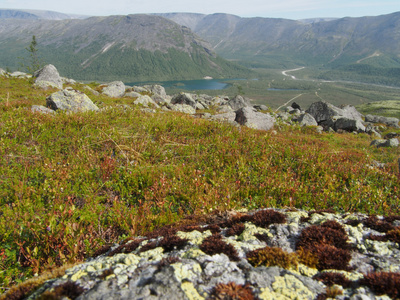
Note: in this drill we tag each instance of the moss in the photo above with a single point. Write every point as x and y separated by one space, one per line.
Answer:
383 283
328 242
215 245
68 289
264 218
331 278
272 256
379 225
232 291
170 243
236 229
166 261
307 258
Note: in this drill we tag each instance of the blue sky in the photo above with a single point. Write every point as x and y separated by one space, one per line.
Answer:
290 9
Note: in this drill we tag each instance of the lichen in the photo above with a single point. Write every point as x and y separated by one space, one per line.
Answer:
195 237
190 291
78 275
153 254
249 232
193 253
292 288
186 271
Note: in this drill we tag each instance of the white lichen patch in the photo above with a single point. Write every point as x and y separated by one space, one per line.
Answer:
317 219
190 291
241 246
292 288
131 259
295 216
192 253
186 271
382 248
153 255
250 230
195 237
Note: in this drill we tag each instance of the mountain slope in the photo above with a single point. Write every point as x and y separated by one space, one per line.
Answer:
133 47
275 42
31 14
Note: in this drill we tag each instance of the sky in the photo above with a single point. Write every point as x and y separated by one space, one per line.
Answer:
288 9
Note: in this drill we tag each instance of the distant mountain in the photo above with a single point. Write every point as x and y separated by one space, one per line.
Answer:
30 14
285 43
129 48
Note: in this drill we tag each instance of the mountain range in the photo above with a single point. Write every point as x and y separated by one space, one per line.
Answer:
189 45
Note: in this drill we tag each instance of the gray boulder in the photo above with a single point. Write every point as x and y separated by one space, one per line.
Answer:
306 120
260 107
42 109
145 101
18 74
228 116
349 125
70 100
115 89
187 109
385 143
324 111
184 98
48 77
238 102
132 94
248 116
393 122
156 90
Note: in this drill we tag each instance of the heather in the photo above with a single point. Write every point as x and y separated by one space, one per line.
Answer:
73 183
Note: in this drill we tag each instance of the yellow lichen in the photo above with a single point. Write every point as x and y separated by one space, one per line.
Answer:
292 288
190 291
78 275
183 271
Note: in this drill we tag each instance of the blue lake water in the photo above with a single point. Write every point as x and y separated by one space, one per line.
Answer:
191 85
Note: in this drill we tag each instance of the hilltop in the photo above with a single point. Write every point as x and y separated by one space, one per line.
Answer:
136 161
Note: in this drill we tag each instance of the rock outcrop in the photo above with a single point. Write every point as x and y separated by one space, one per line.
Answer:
70 100
393 122
266 254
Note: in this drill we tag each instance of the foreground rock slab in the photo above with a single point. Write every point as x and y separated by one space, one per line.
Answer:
262 254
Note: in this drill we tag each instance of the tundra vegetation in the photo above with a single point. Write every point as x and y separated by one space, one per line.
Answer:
71 183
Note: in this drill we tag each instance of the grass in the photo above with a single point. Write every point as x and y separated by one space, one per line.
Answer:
71 183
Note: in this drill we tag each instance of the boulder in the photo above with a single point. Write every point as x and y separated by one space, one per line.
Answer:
48 77
349 125
238 102
18 74
228 116
260 107
385 143
184 98
42 109
391 135
393 122
156 90
187 109
132 94
296 106
70 100
115 89
248 116
145 101
306 120
2 72
324 111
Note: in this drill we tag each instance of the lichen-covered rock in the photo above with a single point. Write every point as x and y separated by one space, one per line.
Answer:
115 89
70 100
184 108
248 116
385 143
238 102
323 111
145 101
184 99
393 122
306 120
48 76
41 109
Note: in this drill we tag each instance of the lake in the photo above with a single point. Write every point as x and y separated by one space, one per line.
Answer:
191 85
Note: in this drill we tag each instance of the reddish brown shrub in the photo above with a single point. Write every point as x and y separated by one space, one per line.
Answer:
232 291
383 283
331 278
379 225
236 229
215 245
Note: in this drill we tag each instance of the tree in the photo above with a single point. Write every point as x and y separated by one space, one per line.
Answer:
35 62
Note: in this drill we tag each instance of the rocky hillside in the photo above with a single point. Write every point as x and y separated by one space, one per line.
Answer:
164 195
131 48
30 14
